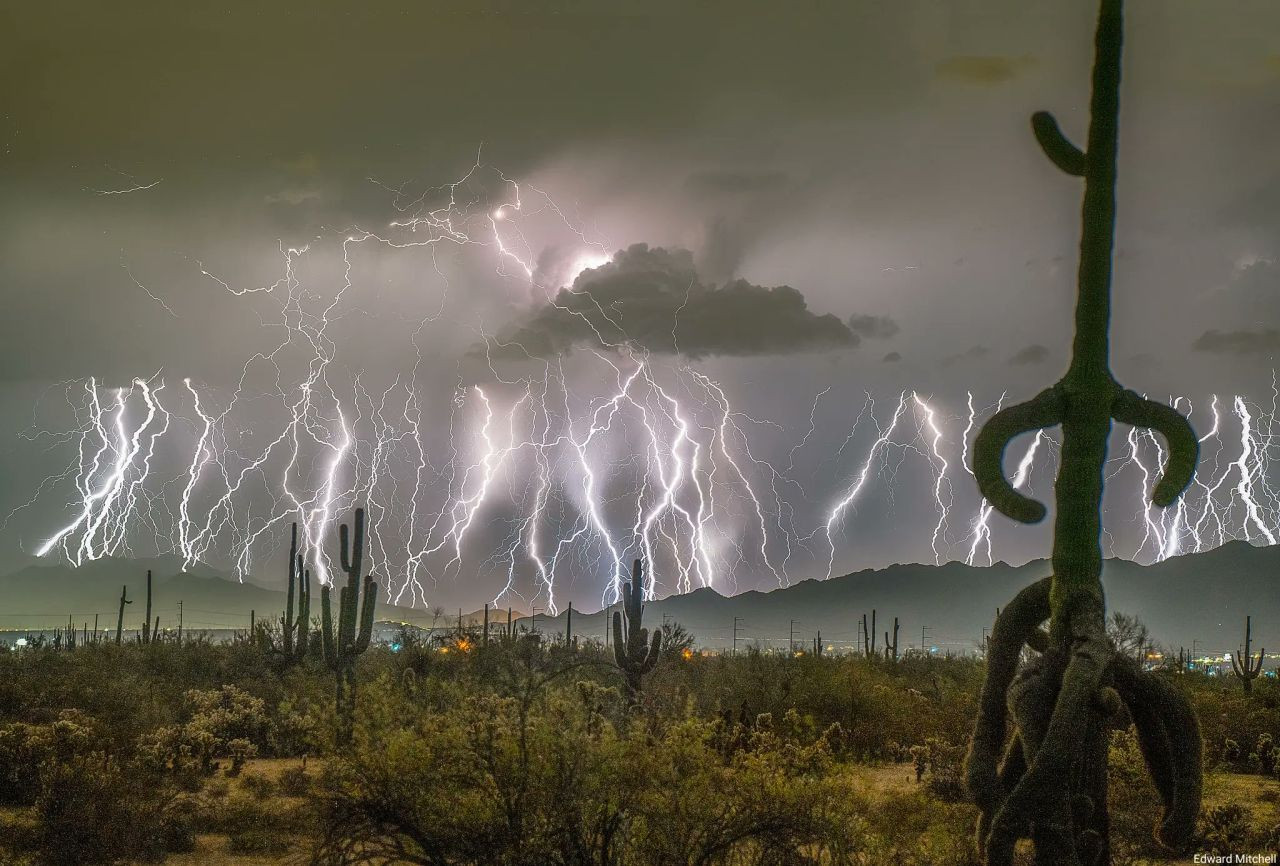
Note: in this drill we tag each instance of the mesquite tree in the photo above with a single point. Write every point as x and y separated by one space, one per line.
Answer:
1051 783
342 648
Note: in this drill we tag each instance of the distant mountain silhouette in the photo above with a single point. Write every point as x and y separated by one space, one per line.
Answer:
44 595
1198 597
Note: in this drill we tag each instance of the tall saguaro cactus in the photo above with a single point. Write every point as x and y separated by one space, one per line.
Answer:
124 599
633 651
146 620
1244 665
356 603
1050 785
296 627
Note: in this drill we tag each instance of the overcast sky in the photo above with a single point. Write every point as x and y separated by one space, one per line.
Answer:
839 194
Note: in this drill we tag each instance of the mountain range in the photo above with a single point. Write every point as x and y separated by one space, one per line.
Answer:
1196 600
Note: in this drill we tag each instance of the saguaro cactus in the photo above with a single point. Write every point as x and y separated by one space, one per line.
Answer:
633 651
295 627
124 599
343 646
891 649
1051 785
146 621
869 635
1244 665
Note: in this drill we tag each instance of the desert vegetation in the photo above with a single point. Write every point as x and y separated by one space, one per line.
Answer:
526 749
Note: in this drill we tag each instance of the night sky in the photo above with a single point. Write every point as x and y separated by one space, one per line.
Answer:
795 197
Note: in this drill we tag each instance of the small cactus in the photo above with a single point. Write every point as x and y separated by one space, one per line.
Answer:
1244 665
633 651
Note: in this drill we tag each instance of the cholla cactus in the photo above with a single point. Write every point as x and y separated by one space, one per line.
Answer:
1050 785
633 651
343 646
1244 665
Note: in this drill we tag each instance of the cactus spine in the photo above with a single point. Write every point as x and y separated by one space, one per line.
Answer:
356 603
1051 785
1244 665
633 651
124 599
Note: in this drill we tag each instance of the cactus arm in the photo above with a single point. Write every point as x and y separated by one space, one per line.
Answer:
1019 619
1055 145
1169 736
1184 449
1044 410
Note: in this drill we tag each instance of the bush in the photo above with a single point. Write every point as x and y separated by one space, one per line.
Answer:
260 787
259 841
295 782
92 811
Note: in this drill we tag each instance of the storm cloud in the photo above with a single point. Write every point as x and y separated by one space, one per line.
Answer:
1263 341
652 298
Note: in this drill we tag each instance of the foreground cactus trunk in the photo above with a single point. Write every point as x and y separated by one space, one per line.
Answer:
343 647
1050 783
633 651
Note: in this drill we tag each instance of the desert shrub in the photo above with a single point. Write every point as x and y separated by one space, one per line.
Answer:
551 778
91 810
259 841
224 723
260 787
25 749
945 770
1225 829
295 782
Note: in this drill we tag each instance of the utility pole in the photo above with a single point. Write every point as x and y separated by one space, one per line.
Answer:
737 625
534 625
95 623
924 629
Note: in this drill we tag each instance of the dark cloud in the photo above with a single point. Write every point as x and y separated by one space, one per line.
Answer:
1262 341
873 326
983 69
652 298
973 353
1033 354
891 358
